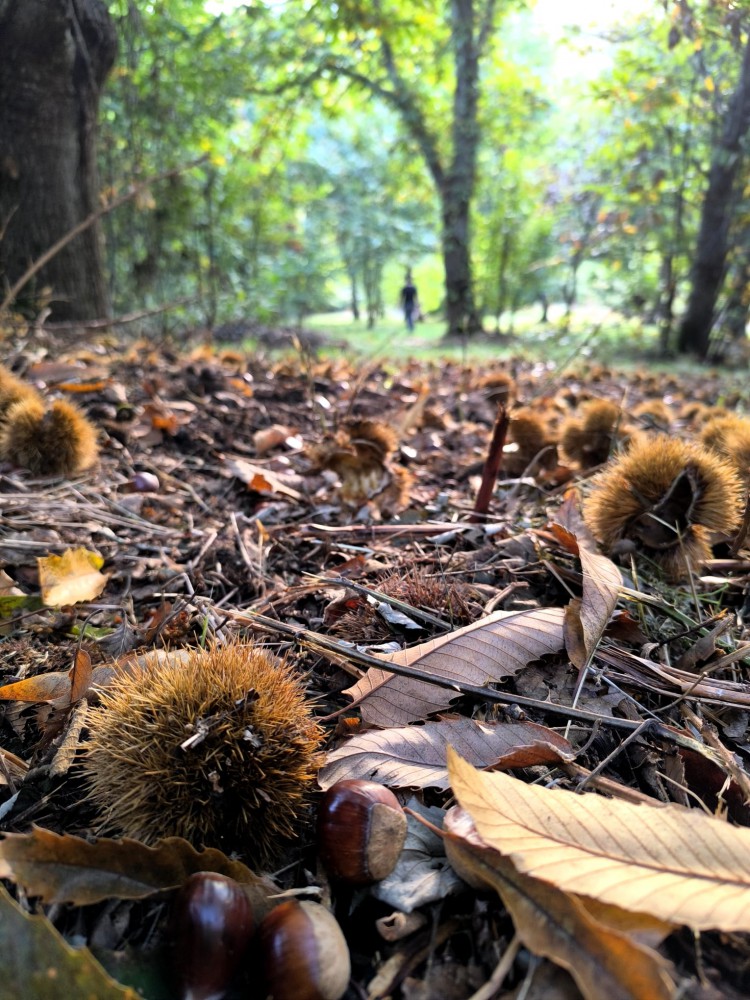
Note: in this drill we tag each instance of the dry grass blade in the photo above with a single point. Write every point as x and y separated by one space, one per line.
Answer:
495 647
676 864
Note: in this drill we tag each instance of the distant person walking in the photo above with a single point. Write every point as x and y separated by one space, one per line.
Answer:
409 300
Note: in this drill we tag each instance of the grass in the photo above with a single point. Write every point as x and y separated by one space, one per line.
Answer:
593 333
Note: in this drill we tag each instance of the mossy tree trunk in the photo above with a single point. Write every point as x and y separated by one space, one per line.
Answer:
54 58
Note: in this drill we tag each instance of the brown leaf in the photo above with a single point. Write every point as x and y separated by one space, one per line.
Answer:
482 653
80 675
66 869
676 864
606 964
38 964
414 757
53 688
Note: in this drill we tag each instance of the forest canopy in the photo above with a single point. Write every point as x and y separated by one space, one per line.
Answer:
273 160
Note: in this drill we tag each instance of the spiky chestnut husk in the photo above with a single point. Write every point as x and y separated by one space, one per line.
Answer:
359 457
58 441
528 431
729 437
653 414
241 784
533 441
693 414
13 390
589 438
498 387
665 495
358 620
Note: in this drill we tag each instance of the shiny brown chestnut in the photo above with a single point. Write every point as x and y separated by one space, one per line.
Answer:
304 953
361 831
213 924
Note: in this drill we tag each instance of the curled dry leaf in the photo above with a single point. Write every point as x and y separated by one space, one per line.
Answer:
67 869
488 650
586 618
677 864
57 688
606 964
71 577
414 756
261 479
39 964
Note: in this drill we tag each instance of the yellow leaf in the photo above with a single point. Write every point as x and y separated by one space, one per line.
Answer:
677 864
72 577
709 84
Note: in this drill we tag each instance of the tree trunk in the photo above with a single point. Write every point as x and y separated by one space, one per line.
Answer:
54 58
460 312
457 187
708 271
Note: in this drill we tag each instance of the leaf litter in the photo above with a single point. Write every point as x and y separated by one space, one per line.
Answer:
340 516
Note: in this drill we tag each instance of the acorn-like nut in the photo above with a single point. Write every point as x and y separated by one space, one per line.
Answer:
213 925
304 953
361 831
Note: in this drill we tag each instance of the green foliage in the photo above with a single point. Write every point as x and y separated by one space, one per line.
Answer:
318 185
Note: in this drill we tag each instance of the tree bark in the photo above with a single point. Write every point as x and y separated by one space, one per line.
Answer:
54 58
709 264
457 187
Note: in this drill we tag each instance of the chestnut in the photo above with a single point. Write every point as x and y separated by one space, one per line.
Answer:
304 953
361 831
213 924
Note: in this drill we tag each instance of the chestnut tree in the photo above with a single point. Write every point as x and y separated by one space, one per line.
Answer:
54 58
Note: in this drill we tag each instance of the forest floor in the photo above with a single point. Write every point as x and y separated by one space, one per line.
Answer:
229 488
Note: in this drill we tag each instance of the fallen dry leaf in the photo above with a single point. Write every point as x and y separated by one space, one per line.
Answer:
261 480
676 864
482 653
586 617
414 756
268 438
71 577
67 869
54 688
605 963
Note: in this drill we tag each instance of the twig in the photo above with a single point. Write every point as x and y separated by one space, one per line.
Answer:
491 466
501 970
89 221
100 324
324 645
425 616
